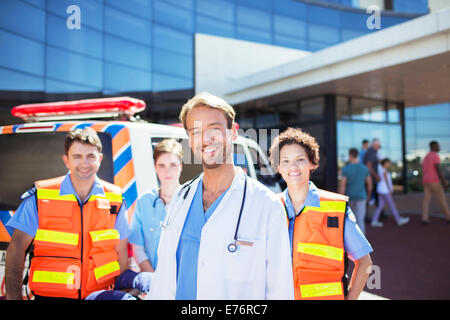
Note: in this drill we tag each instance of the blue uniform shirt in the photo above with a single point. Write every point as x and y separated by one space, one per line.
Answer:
355 243
189 245
26 216
146 224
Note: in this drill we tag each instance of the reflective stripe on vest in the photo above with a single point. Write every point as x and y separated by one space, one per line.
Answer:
54 277
53 194
113 197
57 237
106 269
101 235
321 250
321 289
328 206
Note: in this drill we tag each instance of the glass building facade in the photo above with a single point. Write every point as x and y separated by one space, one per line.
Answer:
145 48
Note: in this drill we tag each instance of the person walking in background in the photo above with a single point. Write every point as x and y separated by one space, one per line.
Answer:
384 191
433 182
362 152
150 209
355 178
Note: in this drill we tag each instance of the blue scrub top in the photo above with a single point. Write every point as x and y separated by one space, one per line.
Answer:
146 224
355 243
26 217
189 245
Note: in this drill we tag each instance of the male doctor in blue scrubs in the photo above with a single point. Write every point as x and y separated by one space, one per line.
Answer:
225 234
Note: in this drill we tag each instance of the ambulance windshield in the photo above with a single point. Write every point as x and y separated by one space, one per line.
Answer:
27 157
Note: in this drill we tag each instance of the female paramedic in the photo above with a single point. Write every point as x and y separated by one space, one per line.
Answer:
322 228
150 209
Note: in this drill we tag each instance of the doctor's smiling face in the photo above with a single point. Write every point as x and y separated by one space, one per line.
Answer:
209 136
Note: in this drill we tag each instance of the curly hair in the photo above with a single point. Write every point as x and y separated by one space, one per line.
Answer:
294 136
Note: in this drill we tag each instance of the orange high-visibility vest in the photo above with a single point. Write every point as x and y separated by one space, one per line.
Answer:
74 246
319 260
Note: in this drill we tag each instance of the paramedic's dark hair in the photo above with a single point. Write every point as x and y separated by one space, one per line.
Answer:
86 136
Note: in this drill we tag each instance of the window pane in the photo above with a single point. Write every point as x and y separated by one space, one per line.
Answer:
288 113
217 9
321 15
173 16
141 8
127 53
289 26
170 63
312 109
53 86
23 19
253 35
260 4
127 26
342 108
73 67
85 40
253 18
214 27
393 113
21 54
368 110
323 33
16 80
120 78
165 83
173 40
290 8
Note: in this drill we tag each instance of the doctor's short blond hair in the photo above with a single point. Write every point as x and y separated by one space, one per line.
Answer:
206 99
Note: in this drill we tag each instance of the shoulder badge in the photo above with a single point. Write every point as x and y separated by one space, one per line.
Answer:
28 193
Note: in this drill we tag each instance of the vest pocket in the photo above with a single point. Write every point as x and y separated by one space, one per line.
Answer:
55 277
57 215
103 266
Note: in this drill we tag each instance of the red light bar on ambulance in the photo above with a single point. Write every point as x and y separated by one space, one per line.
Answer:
80 109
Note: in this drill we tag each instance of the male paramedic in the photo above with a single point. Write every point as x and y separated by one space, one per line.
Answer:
225 234
77 225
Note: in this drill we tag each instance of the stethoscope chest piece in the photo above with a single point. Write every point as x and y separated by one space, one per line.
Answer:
232 247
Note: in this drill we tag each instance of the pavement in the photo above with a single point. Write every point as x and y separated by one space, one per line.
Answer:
412 261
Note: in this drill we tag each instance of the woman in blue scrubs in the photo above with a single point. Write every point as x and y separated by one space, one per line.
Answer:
295 155
150 210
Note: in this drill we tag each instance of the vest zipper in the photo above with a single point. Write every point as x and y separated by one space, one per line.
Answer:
81 257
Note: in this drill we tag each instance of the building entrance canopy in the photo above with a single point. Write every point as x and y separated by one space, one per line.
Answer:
408 63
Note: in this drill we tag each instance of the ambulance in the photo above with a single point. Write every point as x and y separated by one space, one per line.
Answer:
32 151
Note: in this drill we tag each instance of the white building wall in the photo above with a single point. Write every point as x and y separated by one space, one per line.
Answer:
221 60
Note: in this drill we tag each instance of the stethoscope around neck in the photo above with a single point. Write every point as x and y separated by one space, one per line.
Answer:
234 245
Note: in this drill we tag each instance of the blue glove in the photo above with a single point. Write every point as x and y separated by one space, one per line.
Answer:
130 279
125 280
110 295
142 281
